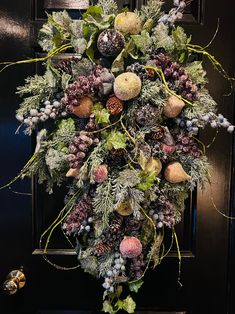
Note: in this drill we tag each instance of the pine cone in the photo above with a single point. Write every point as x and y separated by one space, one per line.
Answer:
151 74
65 65
132 224
103 248
114 105
156 135
117 152
116 224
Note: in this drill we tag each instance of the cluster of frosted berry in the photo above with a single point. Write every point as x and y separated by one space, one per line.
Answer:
175 75
50 109
81 144
79 148
158 152
190 125
176 13
84 85
218 121
80 218
163 213
101 82
118 269
136 266
138 69
186 145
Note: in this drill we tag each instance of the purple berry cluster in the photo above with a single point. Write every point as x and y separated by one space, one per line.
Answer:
84 85
100 82
80 218
136 266
163 213
175 75
79 147
186 145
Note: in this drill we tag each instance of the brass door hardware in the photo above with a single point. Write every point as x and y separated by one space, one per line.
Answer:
15 280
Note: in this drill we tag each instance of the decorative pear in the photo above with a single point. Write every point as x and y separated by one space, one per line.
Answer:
124 209
173 107
84 109
153 165
72 172
174 173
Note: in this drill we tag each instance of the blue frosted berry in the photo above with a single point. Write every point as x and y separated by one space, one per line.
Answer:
213 124
188 123
47 102
230 129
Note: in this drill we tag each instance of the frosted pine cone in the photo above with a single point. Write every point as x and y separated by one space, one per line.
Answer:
147 115
66 65
114 105
103 248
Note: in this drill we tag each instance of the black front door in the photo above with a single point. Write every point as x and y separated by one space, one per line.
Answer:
206 237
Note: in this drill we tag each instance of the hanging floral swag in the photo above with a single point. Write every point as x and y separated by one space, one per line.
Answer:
126 109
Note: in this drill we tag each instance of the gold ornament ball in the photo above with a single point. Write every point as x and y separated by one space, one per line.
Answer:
114 105
128 22
127 86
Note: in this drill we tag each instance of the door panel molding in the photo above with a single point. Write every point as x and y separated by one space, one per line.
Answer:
66 4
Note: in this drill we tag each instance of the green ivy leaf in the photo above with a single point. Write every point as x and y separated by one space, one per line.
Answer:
59 33
135 286
90 49
147 180
107 307
65 78
128 50
129 305
142 41
180 38
95 16
93 10
101 114
118 63
116 140
119 291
